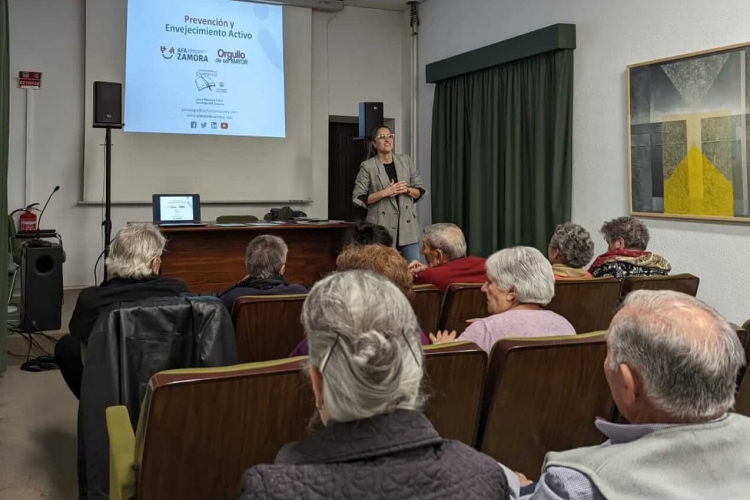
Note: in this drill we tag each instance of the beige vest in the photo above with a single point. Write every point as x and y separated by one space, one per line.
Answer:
685 462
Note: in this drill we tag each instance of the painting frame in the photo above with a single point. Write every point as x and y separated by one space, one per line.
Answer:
743 218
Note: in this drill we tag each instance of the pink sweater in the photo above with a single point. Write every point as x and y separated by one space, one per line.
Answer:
516 323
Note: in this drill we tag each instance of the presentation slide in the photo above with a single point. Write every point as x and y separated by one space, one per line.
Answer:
176 208
211 67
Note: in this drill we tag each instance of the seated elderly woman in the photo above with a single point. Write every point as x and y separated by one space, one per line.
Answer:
626 255
385 261
569 249
366 369
519 282
133 266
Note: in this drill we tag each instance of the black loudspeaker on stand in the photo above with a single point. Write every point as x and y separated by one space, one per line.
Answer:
107 115
370 116
41 287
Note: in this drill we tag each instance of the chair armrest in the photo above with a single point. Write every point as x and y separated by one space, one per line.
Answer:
122 482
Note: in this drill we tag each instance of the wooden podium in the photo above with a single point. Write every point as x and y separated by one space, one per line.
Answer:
211 259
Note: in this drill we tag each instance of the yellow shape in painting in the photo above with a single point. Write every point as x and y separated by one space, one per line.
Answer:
696 187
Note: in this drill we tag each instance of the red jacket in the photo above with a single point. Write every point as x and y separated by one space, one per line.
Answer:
466 270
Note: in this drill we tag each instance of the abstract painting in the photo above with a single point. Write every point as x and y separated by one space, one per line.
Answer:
688 135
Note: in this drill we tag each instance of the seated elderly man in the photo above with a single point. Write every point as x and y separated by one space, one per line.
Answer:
133 266
444 249
569 249
627 239
672 366
265 259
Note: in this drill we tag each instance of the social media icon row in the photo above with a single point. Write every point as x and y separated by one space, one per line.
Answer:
214 125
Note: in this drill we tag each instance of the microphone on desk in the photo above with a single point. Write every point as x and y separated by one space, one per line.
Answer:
38 242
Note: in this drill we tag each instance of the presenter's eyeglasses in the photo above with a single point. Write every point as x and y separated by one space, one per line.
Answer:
382 137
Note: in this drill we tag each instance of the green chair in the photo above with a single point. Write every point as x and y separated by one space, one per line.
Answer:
236 219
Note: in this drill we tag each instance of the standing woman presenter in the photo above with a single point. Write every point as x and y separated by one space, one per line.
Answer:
388 186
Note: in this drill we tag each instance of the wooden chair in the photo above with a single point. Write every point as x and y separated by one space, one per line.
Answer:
454 383
268 327
426 306
588 304
200 429
462 301
685 283
542 395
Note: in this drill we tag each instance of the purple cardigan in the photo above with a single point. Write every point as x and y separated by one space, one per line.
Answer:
302 348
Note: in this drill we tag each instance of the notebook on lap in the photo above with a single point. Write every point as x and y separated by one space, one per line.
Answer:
177 210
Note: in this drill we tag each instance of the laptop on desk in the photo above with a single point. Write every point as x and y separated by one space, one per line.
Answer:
177 210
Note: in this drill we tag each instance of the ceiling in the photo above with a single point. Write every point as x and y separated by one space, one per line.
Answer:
378 4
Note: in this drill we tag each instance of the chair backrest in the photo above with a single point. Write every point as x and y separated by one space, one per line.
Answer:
462 301
236 219
14 246
742 402
131 342
454 383
426 306
685 283
588 304
209 425
543 395
268 327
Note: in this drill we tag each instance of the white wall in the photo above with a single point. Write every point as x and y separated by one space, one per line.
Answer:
359 54
611 34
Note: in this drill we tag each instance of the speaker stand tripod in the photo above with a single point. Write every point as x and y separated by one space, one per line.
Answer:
107 222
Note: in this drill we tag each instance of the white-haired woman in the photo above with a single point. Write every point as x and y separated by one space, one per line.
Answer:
366 368
133 265
519 283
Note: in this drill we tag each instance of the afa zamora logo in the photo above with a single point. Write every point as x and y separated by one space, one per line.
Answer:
167 54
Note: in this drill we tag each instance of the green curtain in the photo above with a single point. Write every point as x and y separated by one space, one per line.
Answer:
501 152
4 123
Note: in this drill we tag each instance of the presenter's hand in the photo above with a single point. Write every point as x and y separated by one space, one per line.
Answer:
395 189
416 267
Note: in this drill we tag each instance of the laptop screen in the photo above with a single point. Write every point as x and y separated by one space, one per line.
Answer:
176 208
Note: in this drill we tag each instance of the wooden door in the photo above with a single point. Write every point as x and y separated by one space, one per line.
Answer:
345 153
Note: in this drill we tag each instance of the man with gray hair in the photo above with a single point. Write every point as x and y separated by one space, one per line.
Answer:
444 249
672 365
133 264
265 260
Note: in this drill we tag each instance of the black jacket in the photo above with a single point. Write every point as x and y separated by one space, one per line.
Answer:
131 342
393 456
93 300
276 285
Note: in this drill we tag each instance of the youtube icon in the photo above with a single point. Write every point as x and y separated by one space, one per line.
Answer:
224 125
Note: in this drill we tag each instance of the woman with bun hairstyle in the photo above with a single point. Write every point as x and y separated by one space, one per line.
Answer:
366 368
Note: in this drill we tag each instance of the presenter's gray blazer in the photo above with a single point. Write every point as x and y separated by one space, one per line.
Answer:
372 178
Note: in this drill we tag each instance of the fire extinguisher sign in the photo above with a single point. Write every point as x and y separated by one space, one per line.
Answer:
29 80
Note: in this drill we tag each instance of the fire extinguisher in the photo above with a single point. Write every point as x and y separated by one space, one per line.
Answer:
28 219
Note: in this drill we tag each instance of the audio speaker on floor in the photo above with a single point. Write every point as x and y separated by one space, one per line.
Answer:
370 116
41 287
107 105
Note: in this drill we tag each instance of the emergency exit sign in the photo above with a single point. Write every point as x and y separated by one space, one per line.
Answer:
29 80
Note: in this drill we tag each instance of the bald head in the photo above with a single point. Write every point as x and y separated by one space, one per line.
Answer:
446 237
684 353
